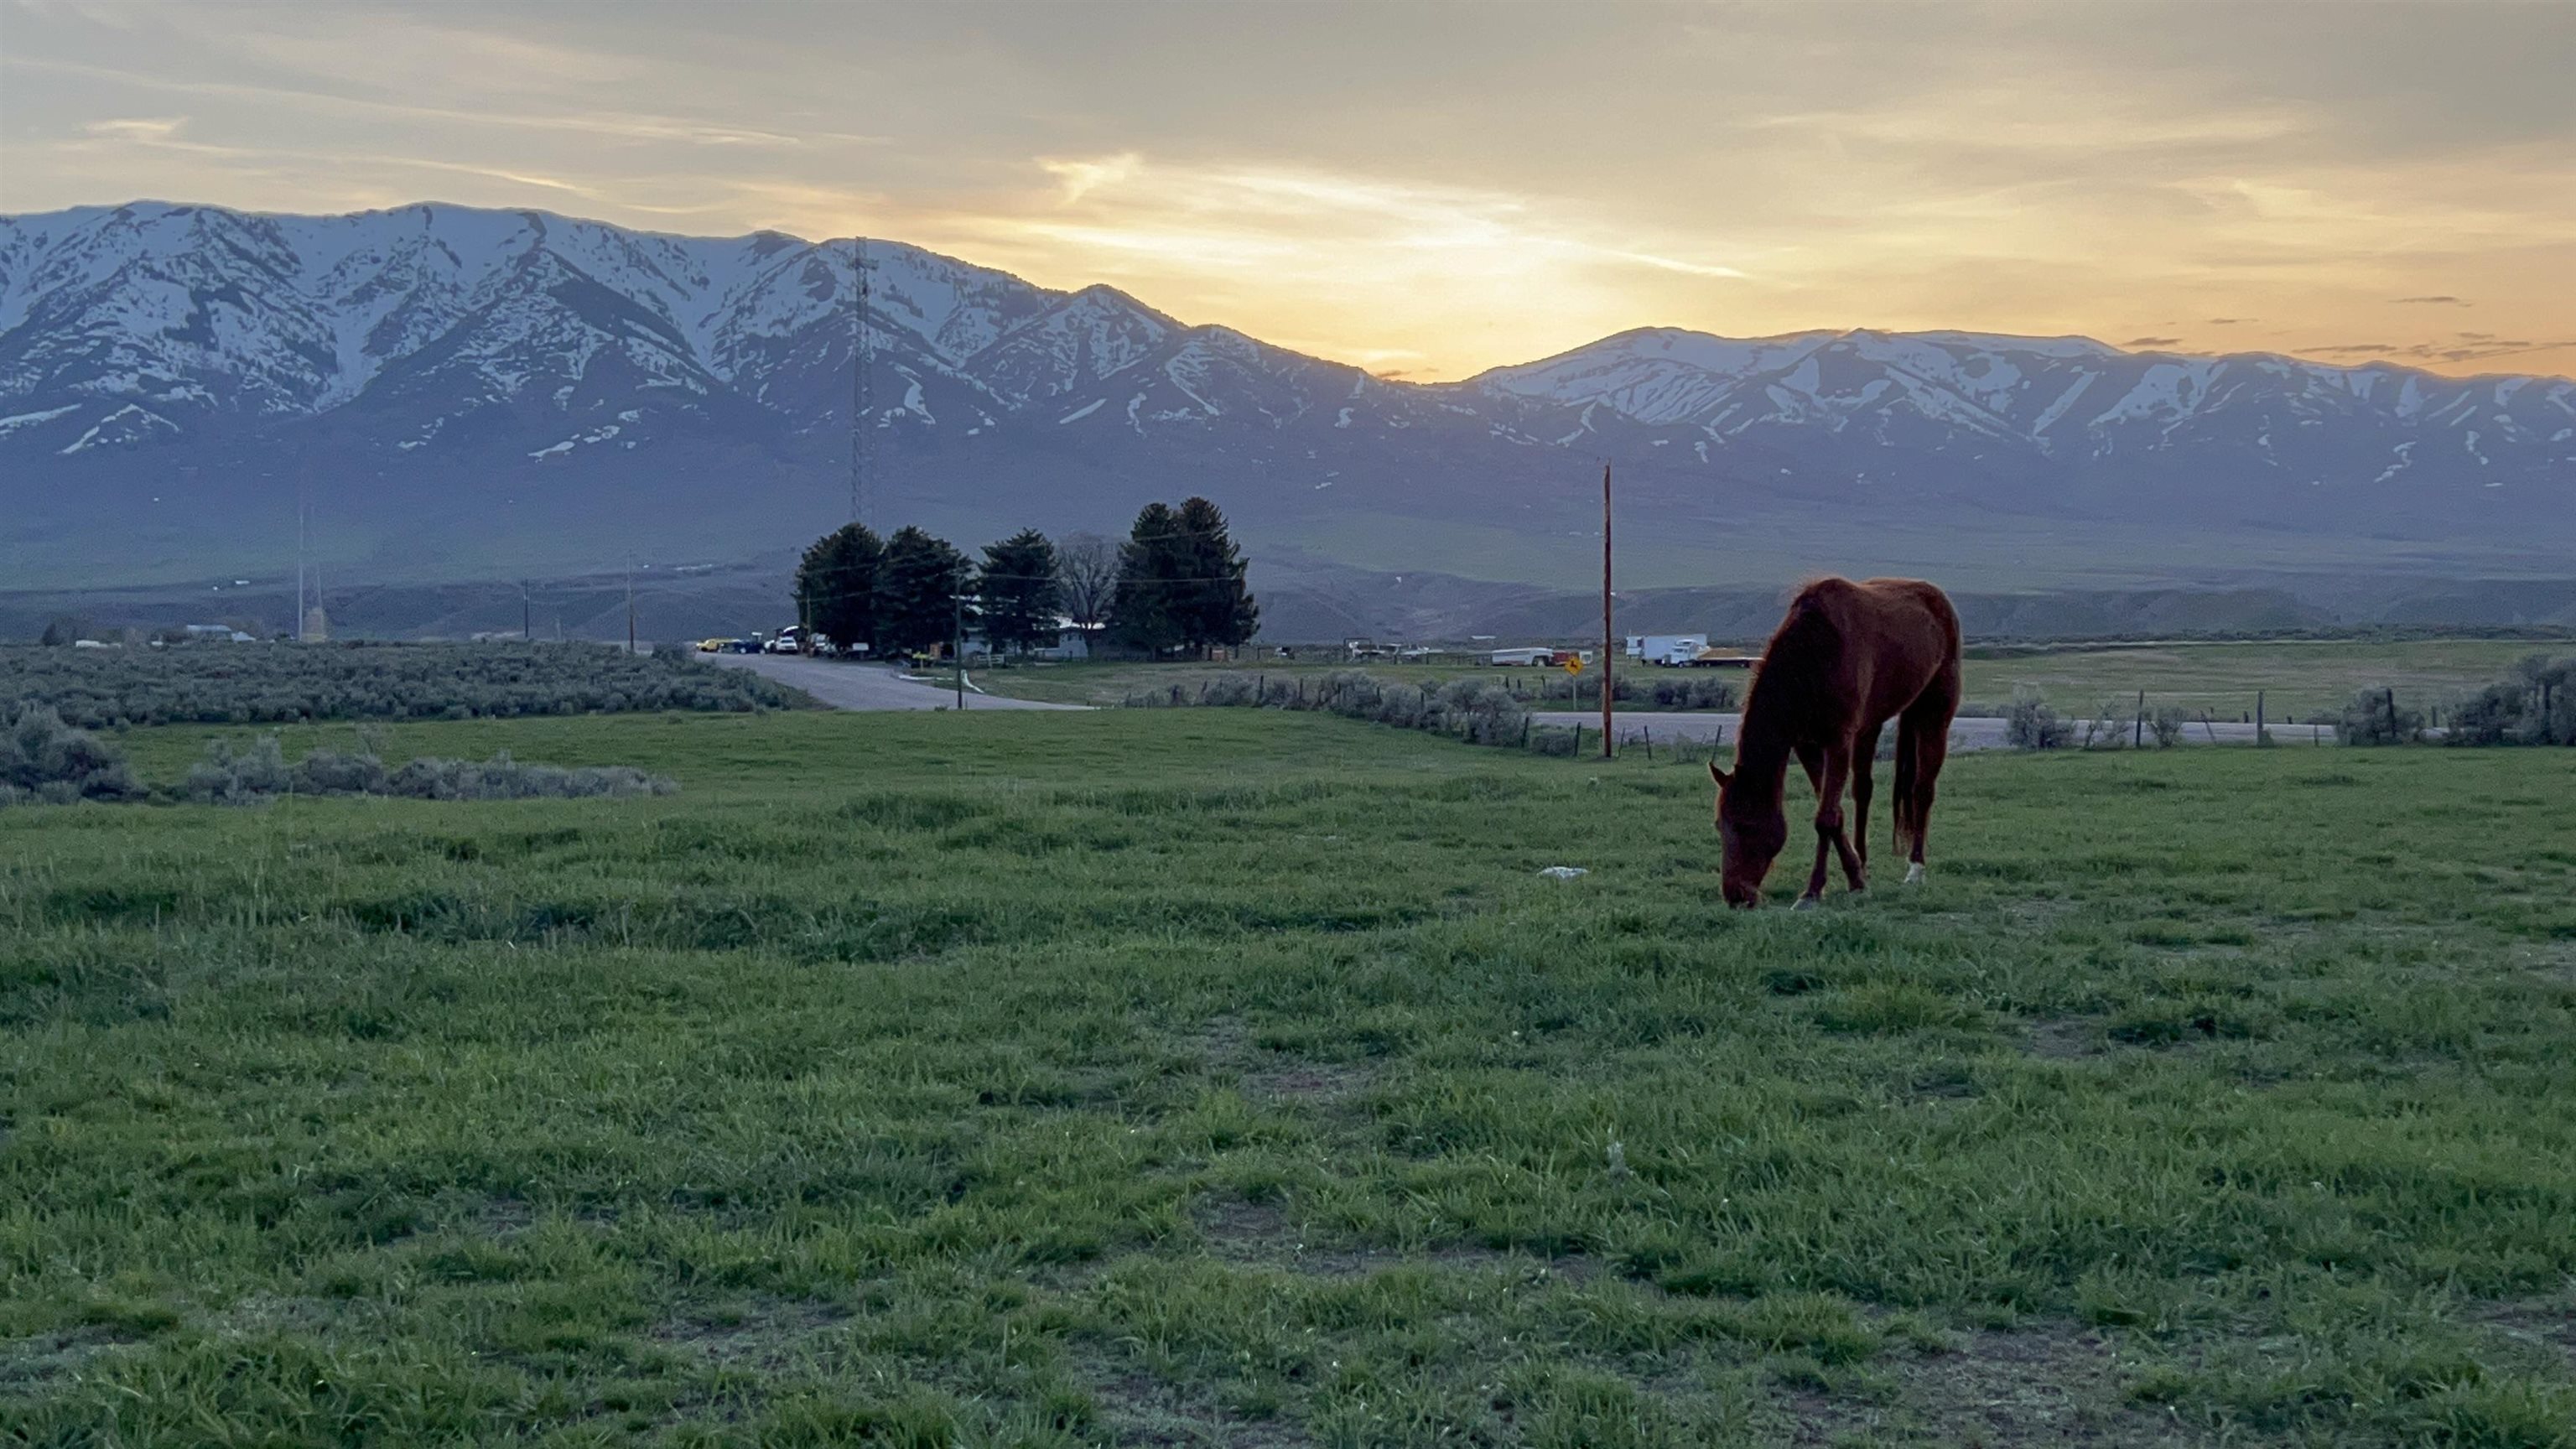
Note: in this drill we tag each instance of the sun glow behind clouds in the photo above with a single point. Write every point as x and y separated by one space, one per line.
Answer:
1323 262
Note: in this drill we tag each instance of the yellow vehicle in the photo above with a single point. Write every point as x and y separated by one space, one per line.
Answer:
712 646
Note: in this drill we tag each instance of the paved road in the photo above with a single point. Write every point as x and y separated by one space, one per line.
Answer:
1965 733
868 686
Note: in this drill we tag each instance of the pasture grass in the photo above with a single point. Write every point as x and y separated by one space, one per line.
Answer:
1229 1077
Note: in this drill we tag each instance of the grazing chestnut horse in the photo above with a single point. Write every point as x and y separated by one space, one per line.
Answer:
1848 658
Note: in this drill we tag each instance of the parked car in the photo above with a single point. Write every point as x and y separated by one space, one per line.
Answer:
712 646
740 646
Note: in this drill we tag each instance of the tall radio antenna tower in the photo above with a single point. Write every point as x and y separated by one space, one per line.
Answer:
862 354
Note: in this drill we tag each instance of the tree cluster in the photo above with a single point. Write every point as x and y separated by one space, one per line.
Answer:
1175 583
1181 582
913 591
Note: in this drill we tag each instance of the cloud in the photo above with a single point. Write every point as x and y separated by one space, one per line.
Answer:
2153 342
2480 348
616 125
2441 301
2231 321
137 128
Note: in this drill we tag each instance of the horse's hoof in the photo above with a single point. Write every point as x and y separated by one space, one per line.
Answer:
1914 873
1806 903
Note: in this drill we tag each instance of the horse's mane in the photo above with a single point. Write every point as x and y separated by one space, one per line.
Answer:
1790 686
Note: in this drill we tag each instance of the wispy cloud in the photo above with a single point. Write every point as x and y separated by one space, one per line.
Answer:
137 128
2439 301
2153 342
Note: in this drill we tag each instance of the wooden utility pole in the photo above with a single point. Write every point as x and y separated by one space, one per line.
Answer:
957 646
1609 641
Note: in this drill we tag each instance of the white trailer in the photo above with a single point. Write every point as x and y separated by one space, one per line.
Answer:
1666 649
1523 658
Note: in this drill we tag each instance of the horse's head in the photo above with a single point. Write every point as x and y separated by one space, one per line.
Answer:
1750 835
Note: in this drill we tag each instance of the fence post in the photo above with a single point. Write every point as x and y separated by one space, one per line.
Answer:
1646 741
2392 715
2259 737
2138 736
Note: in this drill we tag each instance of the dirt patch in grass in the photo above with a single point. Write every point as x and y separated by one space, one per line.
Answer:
1316 1082
2553 962
1261 1235
2032 1387
26 1363
1226 1045
2063 1038
2549 1325
763 1333
1138 1409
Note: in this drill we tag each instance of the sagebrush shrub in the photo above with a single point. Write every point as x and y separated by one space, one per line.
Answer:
2377 717
234 776
286 683
2029 724
45 760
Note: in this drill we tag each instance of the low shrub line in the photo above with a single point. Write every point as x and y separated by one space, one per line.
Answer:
1475 711
294 683
45 761
2533 705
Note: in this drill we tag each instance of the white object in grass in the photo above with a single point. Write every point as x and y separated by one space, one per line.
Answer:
1564 872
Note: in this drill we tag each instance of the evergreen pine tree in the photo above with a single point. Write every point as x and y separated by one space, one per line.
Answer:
1219 607
918 585
1144 612
1018 587
836 585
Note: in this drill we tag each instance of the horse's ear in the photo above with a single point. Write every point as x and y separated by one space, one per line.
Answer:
1718 775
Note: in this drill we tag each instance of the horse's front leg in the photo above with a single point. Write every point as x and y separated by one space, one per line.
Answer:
1829 821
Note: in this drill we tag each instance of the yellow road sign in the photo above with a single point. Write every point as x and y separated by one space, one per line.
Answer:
1573 664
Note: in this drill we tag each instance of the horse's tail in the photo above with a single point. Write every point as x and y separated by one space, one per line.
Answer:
1906 748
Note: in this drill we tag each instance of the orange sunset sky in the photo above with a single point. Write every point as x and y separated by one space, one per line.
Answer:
1431 189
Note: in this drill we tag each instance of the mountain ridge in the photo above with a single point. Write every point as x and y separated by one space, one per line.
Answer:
467 384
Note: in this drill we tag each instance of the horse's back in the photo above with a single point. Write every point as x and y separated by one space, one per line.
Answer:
1909 616
1891 640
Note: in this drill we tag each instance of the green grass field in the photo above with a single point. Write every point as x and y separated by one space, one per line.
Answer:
1229 1077
2305 679
2302 678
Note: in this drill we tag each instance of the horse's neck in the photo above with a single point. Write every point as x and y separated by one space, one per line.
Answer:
1762 748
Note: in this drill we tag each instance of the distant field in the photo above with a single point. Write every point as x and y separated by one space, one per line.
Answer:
1229 1077
2306 679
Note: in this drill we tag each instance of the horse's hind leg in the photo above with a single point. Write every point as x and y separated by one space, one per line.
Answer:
1929 721
1901 805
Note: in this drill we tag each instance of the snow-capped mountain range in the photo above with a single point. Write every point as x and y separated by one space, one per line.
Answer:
478 388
